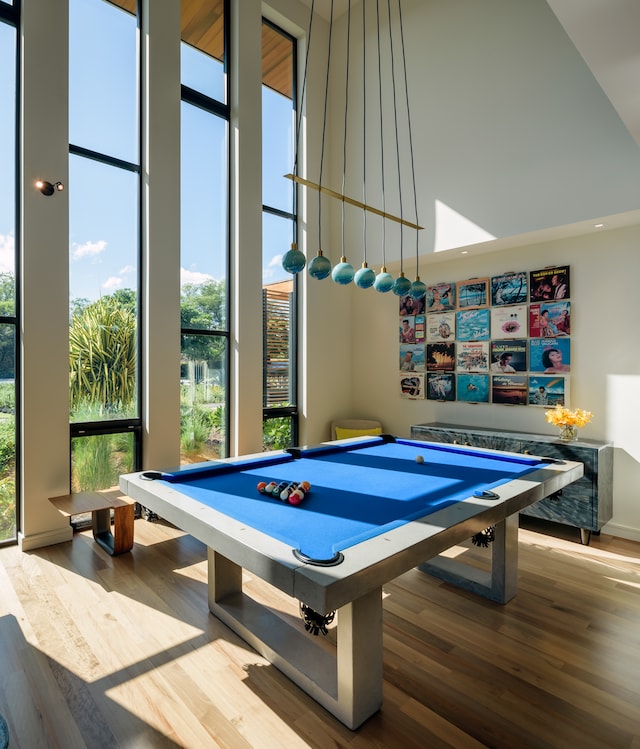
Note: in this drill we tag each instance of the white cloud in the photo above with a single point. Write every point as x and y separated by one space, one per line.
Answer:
88 249
7 253
127 269
112 283
273 269
194 277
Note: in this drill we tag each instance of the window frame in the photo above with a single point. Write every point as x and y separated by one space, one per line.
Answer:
11 15
221 109
291 412
79 429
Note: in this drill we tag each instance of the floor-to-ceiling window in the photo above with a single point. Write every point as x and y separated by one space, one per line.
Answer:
280 413
9 14
204 244
104 243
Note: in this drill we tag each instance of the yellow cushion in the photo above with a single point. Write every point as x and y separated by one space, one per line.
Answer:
343 434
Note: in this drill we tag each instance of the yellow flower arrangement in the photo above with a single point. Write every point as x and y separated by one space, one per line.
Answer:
560 416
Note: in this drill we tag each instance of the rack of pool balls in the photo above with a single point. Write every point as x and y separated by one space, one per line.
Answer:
285 491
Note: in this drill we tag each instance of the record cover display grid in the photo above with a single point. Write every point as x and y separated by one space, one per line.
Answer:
504 339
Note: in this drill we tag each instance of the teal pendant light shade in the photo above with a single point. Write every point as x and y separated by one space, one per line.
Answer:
343 272
418 289
294 260
383 282
401 285
319 267
364 277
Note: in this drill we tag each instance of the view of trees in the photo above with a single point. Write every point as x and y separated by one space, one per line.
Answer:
103 385
102 358
7 410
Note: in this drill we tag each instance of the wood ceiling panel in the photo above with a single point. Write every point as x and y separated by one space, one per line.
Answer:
277 61
202 26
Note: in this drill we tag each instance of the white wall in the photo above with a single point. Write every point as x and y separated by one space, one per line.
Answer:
605 358
511 132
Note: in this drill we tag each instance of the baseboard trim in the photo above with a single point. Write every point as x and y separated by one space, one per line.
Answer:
48 538
622 531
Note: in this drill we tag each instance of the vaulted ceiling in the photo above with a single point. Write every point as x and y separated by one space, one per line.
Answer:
605 32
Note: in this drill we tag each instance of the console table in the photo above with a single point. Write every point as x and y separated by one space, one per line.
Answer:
586 504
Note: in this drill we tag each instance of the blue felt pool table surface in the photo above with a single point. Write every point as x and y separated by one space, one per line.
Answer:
358 490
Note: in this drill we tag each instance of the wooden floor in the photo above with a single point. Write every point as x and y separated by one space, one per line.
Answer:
99 651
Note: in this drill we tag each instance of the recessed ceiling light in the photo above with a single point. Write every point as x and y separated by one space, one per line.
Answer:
464 252
598 226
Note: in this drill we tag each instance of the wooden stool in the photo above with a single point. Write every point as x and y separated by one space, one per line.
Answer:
100 504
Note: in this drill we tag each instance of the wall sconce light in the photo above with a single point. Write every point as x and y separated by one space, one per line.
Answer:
48 188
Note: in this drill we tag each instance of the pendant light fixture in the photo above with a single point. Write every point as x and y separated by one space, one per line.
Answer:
320 266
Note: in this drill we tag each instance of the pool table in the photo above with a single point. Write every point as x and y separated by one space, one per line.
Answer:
377 507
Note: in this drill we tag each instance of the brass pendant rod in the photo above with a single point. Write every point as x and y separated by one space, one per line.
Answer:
351 201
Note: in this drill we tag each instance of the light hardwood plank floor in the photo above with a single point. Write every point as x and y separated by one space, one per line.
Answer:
99 651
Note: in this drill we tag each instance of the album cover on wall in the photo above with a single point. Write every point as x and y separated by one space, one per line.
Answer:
412 386
509 356
509 288
411 357
549 319
407 329
509 322
472 356
410 306
440 297
548 390
509 389
441 386
473 325
549 284
472 388
474 292
549 355
441 326
440 357
420 329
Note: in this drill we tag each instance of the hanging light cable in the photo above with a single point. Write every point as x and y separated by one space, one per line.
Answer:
384 280
343 272
365 276
418 288
294 260
320 267
401 285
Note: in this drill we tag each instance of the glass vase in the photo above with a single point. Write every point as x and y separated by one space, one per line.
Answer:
568 433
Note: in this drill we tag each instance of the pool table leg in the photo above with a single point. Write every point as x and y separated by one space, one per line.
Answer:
347 684
501 584
359 659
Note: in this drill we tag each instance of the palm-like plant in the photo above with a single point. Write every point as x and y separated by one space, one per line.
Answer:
102 357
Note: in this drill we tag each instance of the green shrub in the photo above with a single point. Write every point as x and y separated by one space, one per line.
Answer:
277 433
7 445
102 357
7 508
196 424
98 461
7 397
